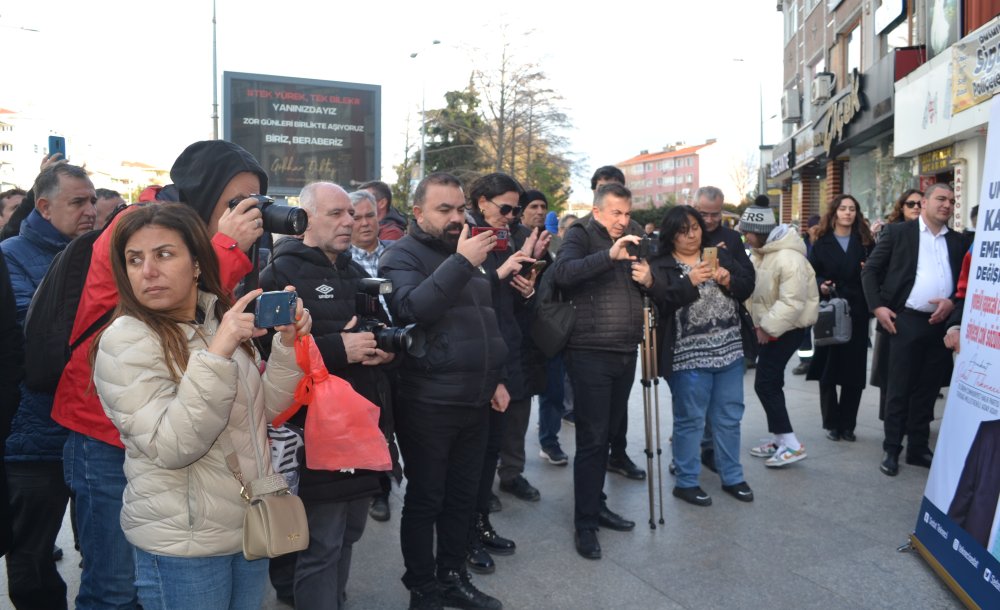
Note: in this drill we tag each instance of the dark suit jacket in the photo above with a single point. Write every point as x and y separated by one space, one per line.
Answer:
892 267
975 501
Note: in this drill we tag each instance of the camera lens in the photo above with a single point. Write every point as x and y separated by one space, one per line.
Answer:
284 219
409 339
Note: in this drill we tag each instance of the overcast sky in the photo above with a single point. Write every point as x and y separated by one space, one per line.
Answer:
134 77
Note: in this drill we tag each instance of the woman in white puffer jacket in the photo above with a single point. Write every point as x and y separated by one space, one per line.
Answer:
176 371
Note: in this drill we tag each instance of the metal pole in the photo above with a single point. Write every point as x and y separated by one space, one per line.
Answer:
215 80
648 373
423 125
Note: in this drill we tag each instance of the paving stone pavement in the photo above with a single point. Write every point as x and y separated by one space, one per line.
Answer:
821 533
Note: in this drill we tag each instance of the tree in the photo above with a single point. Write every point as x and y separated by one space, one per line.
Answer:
453 135
744 177
402 190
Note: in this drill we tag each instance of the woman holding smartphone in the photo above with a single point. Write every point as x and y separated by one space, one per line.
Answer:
179 378
701 349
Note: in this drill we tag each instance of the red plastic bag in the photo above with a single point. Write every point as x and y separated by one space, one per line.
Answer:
341 430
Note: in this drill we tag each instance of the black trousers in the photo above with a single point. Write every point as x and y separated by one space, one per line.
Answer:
443 449
917 362
601 383
840 414
38 498
494 441
769 384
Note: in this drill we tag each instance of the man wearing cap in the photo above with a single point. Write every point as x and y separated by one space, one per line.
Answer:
784 303
207 176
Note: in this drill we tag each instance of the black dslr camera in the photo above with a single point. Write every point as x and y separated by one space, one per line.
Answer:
409 339
645 249
283 219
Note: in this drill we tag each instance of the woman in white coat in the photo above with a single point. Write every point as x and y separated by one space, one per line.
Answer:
178 376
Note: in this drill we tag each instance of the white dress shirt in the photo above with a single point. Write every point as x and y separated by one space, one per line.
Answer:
934 279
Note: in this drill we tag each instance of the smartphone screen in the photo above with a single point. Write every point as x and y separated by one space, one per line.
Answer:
710 255
57 144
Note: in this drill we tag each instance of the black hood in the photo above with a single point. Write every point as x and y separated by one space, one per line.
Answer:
203 170
294 247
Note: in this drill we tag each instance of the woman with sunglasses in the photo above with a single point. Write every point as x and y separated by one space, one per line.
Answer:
906 208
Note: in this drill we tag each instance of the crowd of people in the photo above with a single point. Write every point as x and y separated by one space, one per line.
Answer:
159 420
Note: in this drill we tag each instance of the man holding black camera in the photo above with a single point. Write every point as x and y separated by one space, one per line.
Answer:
594 272
327 280
445 395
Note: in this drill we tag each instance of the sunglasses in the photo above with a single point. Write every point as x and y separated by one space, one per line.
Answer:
506 209
912 204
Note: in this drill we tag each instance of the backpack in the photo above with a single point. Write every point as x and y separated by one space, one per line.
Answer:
52 313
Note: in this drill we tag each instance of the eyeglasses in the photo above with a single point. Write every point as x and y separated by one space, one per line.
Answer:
911 203
506 208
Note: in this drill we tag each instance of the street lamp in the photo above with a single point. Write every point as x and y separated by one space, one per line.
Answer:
423 111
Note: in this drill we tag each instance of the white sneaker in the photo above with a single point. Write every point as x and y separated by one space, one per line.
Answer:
765 450
784 456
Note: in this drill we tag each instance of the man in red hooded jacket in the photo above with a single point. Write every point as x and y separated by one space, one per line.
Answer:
207 176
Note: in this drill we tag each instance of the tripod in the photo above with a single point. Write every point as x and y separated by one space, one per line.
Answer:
651 403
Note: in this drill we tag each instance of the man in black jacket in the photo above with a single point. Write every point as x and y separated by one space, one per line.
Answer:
321 269
909 282
444 396
594 272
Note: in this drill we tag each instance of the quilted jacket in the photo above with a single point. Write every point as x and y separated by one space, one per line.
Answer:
785 295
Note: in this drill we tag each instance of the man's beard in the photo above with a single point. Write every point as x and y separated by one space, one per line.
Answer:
451 240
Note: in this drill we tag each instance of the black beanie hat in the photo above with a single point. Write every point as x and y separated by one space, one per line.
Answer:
204 169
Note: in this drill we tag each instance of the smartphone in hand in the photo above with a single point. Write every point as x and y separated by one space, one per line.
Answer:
276 308
57 144
710 255
503 235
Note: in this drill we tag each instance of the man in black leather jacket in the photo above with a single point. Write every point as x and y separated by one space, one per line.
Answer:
443 397
594 272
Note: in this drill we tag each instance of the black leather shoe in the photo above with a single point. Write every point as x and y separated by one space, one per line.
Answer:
587 545
479 560
489 538
848 435
379 510
457 591
426 598
693 495
521 488
833 435
920 458
708 458
57 553
626 467
890 464
613 521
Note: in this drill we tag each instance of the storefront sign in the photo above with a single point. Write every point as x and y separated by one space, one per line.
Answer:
841 113
935 161
976 67
303 130
959 186
781 160
890 13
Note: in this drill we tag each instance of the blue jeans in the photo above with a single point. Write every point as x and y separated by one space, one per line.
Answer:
550 404
715 395
94 472
199 583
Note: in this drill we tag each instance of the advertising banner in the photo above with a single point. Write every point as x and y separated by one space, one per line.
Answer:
957 528
976 67
303 130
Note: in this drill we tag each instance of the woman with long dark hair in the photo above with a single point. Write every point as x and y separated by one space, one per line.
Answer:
701 350
842 246
179 378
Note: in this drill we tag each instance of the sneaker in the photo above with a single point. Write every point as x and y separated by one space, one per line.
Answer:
626 467
693 495
802 368
379 510
765 449
784 456
741 491
570 418
520 487
555 455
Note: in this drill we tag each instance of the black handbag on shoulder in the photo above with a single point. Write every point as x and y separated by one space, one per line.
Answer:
554 318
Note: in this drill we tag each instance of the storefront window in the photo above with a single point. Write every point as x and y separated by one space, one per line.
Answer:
853 59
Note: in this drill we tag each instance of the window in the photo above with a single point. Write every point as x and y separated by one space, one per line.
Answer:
636 170
853 59
791 12
689 178
666 165
690 161
6 147
649 167
810 5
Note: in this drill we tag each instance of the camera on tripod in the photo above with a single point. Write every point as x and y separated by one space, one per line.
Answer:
409 339
283 219
645 249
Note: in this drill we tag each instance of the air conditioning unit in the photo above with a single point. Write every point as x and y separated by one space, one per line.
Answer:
821 88
791 107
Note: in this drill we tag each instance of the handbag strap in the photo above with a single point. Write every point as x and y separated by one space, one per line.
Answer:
258 487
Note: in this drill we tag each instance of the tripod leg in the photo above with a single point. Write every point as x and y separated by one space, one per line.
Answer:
654 366
647 410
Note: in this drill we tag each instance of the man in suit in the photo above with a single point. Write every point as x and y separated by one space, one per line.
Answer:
975 503
909 283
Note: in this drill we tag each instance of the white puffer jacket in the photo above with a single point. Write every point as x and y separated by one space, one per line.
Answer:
785 295
181 499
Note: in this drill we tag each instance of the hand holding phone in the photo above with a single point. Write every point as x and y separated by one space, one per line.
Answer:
527 268
57 145
275 308
710 255
502 235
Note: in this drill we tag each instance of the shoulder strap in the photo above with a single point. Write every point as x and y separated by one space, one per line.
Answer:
258 487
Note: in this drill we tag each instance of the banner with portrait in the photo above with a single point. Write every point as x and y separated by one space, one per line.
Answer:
958 528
